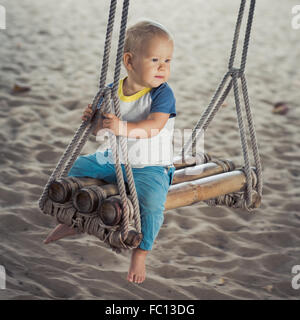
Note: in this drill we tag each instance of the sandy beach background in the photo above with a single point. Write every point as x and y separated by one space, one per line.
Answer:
55 47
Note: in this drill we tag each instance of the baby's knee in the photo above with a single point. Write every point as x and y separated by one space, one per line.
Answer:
152 203
152 198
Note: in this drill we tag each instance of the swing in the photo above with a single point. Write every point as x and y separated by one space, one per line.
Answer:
111 212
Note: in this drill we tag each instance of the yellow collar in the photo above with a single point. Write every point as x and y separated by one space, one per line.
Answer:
134 97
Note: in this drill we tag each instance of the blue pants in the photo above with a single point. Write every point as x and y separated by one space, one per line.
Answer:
151 182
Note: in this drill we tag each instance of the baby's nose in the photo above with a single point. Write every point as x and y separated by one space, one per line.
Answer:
162 66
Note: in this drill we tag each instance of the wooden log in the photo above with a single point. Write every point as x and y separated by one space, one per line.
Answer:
186 193
133 238
62 231
110 211
91 198
200 171
63 189
189 161
88 199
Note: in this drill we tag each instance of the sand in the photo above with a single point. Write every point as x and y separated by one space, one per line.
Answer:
55 47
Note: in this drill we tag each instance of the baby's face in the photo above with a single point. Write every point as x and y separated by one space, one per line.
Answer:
151 66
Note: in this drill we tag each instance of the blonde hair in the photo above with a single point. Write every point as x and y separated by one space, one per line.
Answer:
141 31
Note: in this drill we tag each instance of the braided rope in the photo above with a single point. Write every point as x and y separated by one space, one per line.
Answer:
107 43
243 140
186 148
104 69
83 132
226 165
247 36
90 223
233 200
237 199
78 148
218 106
236 34
210 112
252 132
120 139
79 132
115 151
61 162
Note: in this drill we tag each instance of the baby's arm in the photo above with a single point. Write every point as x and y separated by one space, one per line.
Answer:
87 114
139 130
147 128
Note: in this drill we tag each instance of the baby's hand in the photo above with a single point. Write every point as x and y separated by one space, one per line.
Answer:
87 113
113 123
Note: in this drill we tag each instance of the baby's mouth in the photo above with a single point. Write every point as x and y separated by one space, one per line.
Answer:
159 77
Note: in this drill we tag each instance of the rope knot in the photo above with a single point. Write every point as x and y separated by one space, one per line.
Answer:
236 71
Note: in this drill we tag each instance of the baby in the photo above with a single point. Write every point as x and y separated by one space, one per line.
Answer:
147 105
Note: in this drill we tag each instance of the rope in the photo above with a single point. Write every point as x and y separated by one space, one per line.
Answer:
243 140
78 141
91 223
215 104
207 117
120 140
236 34
252 137
186 148
226 165
116 141
56 172
107 44
237 199
78 134
247 36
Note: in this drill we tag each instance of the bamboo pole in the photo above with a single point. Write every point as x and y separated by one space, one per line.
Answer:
133 239
187 193
200 171
179 195
189 161
63 189
110 211
63 230
89 199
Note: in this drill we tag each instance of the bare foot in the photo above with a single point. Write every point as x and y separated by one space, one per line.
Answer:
59 232
137 269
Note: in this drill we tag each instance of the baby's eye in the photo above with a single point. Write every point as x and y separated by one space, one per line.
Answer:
168 61
154 60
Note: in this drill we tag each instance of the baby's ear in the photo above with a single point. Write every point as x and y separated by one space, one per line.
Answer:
127 60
